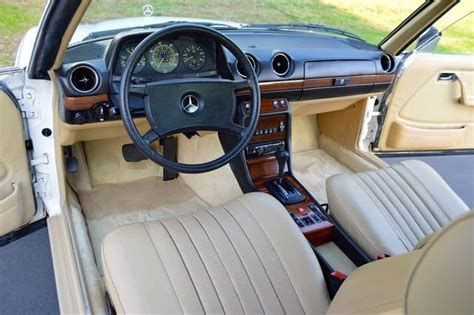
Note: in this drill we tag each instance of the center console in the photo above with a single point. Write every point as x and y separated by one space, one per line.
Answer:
266 166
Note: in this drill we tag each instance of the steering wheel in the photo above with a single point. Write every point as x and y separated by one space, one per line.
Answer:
189 104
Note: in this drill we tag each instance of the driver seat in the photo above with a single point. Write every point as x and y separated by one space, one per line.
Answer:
246 256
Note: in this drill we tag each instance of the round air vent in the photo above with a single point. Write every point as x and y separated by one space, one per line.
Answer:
281 64
387 62
84 79
253 62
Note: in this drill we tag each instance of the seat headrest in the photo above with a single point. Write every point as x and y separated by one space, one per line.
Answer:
442 281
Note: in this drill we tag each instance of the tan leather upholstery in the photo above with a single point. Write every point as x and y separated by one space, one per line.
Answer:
442 281
438 279
378 287
390 210
17 205
246 256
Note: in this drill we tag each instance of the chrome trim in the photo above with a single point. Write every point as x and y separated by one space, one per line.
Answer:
252 60
287 59
96 75
390 62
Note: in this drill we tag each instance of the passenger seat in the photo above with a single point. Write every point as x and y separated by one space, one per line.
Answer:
391 210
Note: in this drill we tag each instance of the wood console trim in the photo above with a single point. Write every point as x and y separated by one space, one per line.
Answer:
84 102
262 168
317 234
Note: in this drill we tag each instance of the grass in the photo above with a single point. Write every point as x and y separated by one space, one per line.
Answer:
371 20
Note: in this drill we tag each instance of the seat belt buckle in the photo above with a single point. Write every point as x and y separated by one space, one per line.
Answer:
382 256
338 276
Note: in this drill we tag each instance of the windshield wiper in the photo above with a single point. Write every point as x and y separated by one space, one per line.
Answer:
107 33
310 27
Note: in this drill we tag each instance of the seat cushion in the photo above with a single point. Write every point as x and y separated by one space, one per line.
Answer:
437 279
390 210
376 288
246 256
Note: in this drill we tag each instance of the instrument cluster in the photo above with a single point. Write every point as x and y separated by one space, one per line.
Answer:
181 57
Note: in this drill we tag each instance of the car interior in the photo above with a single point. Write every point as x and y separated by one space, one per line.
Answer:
220 170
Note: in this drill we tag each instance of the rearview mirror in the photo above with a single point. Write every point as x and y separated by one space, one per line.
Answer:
428 40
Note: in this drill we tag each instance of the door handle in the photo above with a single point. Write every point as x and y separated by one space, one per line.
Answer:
447 76
465 98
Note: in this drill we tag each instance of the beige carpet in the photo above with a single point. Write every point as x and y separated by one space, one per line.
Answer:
141 195
313 167
107 207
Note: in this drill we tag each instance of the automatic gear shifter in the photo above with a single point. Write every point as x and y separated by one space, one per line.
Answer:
282 157
281 188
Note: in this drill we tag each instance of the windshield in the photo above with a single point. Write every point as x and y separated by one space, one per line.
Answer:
353 18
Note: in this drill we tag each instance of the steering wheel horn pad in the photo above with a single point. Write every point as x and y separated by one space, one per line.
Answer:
180 105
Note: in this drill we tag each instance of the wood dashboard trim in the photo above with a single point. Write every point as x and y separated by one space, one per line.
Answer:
84 102
353 80
294 85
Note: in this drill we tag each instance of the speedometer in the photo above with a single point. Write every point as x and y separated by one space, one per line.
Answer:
125 55
164 57
194 57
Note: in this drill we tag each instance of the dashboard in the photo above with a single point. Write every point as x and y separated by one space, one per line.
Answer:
291 65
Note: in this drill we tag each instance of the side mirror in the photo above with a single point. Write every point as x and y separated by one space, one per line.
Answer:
428 40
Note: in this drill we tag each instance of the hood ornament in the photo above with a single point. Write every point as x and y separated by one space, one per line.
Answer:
148 10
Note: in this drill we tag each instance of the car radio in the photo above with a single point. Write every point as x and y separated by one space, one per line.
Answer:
266 148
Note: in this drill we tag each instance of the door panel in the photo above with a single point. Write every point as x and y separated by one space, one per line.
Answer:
429 108
16 196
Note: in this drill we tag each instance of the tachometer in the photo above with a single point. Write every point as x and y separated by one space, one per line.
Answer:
125 55
164 57
194 57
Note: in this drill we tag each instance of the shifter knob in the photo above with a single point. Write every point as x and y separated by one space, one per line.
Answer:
282 157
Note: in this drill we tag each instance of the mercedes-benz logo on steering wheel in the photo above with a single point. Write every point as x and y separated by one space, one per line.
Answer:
190 103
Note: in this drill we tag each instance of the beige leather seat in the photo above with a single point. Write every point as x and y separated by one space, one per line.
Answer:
389 211
246 256
438 279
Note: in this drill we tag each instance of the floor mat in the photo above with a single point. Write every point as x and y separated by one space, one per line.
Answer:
108 207
312 168
146 194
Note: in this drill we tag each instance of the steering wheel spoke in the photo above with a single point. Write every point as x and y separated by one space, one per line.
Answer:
240 85
236 129
138 89
150 136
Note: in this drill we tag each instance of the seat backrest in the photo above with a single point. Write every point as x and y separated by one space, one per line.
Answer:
442 281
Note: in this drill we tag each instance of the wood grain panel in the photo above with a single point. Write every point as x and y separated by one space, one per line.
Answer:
369 79
318 83
268 106
312 83
84 102
260 168
276 86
